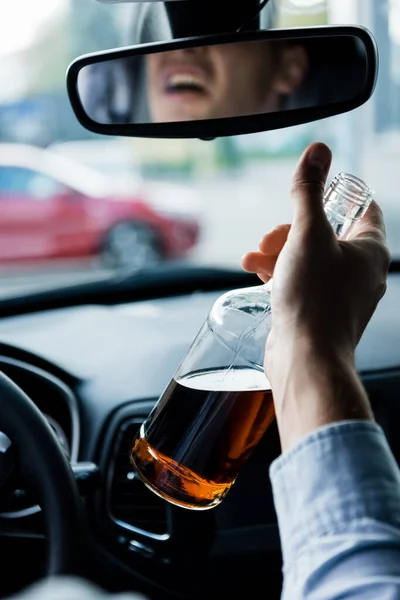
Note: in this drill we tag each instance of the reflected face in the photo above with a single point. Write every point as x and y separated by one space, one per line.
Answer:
222 81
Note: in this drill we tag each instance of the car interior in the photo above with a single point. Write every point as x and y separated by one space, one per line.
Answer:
83 362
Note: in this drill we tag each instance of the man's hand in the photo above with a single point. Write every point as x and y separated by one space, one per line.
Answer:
324 293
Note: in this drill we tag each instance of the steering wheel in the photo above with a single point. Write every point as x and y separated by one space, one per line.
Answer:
46 472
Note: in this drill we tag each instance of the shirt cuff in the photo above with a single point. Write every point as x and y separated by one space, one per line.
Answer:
339 474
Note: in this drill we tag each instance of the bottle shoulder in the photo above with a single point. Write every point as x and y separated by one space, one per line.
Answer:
242 307
244 299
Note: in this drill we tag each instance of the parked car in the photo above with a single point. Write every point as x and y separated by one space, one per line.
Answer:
53 207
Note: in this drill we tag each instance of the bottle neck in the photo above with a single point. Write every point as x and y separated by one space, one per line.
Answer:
346 201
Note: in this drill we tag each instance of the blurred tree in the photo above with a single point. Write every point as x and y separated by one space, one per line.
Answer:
50 58
40 67
92 27
228 153
303 13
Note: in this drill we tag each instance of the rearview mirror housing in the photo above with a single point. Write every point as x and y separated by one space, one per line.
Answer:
221 85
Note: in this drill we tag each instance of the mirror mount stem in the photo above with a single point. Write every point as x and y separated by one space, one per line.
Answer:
247 23
188 19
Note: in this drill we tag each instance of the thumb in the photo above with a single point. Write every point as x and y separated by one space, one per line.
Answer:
308 185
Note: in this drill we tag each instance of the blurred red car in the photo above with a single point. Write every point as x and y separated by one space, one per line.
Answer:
52 207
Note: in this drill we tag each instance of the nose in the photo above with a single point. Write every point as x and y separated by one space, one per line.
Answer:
193 52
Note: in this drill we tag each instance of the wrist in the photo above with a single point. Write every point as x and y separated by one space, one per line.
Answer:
313 385
292 354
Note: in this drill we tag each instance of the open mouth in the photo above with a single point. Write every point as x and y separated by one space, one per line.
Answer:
184 83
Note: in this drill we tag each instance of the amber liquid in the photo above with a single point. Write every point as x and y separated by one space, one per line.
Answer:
201 432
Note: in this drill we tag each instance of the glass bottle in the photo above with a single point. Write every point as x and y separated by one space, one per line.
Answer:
219 403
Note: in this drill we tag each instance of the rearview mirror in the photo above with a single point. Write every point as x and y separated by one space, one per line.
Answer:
224 85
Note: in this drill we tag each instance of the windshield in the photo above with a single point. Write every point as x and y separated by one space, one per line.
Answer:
75 205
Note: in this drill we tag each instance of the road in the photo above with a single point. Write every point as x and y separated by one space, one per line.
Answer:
238 210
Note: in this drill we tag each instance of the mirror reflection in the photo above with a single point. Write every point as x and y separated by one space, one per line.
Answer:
221 81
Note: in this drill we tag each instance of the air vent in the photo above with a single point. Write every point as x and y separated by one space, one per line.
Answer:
131 503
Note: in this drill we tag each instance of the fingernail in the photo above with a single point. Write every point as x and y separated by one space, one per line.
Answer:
319 157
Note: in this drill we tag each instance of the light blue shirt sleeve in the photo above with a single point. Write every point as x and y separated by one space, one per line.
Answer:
337 499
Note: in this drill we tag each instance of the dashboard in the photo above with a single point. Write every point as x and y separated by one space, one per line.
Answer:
96 371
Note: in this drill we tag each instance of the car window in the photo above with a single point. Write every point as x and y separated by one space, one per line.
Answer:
184 201
16 182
